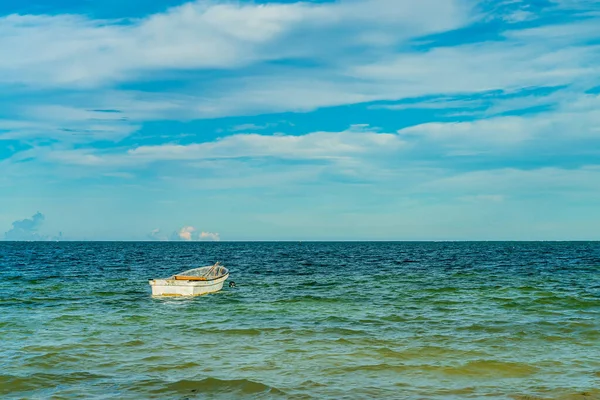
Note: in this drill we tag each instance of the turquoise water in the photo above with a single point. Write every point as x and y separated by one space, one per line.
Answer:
310 320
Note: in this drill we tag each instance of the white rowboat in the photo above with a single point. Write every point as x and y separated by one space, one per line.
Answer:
193 282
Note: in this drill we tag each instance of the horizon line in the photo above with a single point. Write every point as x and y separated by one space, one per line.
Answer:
308 241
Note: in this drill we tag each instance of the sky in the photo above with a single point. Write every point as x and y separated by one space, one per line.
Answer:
314 120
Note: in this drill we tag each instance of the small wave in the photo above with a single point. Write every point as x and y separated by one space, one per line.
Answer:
233 331
312 384
592 394
342 331
105 293
133 343
459 392
344 341
497 369
13 384
568 302
50 360
394 318
447 289
214 385
310 298
320 284
371 322
370 368
405 261
69 318
482 328
335 318
171 367
434 352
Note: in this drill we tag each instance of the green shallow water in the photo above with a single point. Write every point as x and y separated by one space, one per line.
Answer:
311 320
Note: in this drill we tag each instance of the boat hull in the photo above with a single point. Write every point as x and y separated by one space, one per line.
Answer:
173 287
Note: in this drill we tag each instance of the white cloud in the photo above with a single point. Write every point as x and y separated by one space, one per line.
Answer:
91 56
505 65
69 129
359 140
157 234
485 132
26 229
190 233
539 182
509 65
74 50
566 33
584 6
251 127
525 59
228 174
184 233
576 118
366 56
359 154
210 236
434 104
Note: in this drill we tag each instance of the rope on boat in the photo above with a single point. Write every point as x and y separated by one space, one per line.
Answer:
212 270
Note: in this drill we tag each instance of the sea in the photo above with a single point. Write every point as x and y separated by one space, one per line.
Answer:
376 320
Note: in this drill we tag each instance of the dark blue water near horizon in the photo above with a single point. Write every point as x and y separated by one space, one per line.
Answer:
406 320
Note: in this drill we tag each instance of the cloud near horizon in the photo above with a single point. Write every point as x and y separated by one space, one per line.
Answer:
184 234
27 229
191 234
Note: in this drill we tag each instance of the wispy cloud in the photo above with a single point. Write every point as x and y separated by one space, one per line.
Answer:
90 56
538 183
252 127
573 120
75 50
318 145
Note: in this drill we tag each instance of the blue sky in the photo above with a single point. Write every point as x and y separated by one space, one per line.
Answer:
323 120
